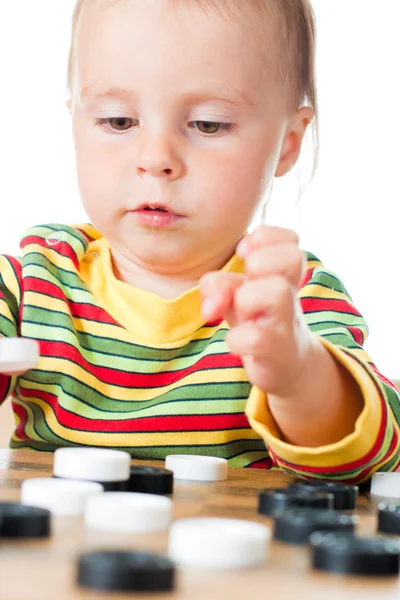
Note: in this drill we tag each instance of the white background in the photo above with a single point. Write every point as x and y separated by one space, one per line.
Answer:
348 216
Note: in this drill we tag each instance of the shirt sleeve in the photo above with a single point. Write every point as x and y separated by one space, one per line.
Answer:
10 299
374 443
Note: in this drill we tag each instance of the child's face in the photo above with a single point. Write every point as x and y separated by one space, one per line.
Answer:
161 77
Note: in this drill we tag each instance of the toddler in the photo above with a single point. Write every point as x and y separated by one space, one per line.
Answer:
163 327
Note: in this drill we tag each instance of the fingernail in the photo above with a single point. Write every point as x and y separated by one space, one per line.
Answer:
243 248
208 308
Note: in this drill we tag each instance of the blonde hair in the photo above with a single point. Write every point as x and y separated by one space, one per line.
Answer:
294 20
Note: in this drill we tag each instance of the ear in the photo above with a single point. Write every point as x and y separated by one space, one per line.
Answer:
291 146
69 106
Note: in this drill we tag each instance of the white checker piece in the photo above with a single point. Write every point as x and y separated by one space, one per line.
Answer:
59 496
18 355
197 468
92 464
128 512
218 543
386 484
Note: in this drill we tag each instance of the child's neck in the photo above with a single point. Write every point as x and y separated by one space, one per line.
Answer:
165 285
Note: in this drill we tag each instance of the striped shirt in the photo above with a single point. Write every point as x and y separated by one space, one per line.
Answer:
123 368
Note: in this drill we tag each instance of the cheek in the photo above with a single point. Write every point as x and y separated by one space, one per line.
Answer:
96 168
233 184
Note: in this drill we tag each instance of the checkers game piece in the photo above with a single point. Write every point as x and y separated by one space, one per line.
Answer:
18 521
18 355
345 495
111 468
386 484
218 543
389 518
295 526
59 496
350 555
197 468
150 480
272 501
126 571
127 512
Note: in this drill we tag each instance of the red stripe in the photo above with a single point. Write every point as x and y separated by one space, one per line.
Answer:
264 463
383 378
357 335
22 414
307 278
86 235
61 248
16 266
91 313
324 304
80 311
213 323
186 423
4 386
131 379
33 284
367 471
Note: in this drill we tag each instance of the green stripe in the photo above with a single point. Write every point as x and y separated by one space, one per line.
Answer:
7 327
323 277
40 316
244 459
9 299
92 397
38 266
129 365
70 235
160 407
36 425
330 315
393 399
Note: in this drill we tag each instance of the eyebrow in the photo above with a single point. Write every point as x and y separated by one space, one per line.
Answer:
233 97
94 92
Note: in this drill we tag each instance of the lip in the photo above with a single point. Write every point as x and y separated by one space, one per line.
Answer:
156 215
154 206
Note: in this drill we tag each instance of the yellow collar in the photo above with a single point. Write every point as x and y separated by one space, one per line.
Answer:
149 317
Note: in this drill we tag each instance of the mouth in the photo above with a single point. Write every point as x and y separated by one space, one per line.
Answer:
154 208
156 216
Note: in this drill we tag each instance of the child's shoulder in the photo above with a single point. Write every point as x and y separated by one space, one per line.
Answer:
69 240
317 274
53 233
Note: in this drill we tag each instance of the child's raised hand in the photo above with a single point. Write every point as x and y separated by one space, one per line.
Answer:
267 327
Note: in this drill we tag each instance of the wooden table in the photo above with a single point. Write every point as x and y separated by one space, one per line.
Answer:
46 570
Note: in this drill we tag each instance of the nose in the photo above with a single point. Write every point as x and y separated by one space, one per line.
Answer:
159 156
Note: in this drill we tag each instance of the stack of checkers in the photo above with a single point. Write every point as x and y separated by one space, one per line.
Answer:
322 515
102 487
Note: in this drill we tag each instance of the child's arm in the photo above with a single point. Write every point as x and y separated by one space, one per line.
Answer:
10 298
328 412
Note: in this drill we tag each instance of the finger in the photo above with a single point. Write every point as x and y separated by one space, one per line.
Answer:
217 290
257 340
286 260
266 298
266 236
